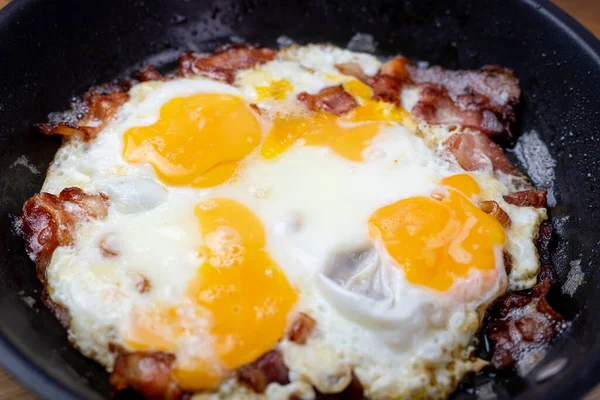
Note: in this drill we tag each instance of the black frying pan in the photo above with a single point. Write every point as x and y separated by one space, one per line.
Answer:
53 50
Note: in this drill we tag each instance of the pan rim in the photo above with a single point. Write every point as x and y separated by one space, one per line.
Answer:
22 368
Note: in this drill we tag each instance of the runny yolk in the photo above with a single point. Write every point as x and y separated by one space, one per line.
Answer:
240 283
240 300
438 239
197 141
465 184
347 135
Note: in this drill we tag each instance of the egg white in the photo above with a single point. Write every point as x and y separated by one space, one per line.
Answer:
401 340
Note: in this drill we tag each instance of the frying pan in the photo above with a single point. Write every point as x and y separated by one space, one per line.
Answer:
51 51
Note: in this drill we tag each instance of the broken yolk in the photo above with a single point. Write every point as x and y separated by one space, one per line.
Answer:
197 141
437 240
239 300
464 184
277 90
347 135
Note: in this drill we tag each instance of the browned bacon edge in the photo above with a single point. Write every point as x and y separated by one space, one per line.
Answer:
483 99
521 321
334 100
49 221
148 73
474 152
223 63
100 103
302 327
269 368
527 198
147 372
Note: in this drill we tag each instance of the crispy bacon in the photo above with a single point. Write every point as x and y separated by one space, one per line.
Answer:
148 73
508 261
475 151
492 208
64 129
543 242
334 100
49 221
495 85
397 68
385 88
481 99
523 322
386 85
101 103
267 369
352 69
527 198
301 328
148 373
224 62
436 107
519 322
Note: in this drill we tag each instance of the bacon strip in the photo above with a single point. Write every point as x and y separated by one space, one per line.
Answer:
492 208
385 88
481 99
148 373
523 321
302 328
148 73
496 86
475 152
64 129
527 198
334 100
436 107
267 369
224 62
49 221
389 80
101 104
397 68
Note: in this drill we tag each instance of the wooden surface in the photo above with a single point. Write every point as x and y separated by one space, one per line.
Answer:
585 11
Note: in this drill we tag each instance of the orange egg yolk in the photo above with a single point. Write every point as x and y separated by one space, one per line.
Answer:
197 141
239 292
438 239
347 135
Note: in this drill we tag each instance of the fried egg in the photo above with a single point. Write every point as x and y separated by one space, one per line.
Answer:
233 209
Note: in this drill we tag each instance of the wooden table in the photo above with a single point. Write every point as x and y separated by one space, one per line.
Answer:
585 11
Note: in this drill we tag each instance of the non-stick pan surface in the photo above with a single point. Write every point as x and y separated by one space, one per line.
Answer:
51 51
